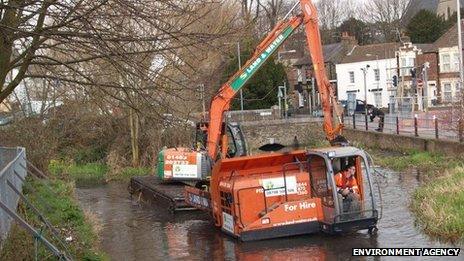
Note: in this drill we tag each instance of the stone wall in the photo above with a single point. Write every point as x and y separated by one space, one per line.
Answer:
283 132
309 133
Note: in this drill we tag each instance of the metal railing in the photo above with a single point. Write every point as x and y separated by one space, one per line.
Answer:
444 127
13 172
11 162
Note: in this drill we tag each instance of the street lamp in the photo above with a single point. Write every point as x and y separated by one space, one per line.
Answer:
364 70
282 93
239 68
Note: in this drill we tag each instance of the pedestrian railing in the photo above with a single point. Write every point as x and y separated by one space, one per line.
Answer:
445 127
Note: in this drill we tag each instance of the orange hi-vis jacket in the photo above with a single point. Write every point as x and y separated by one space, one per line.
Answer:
342 182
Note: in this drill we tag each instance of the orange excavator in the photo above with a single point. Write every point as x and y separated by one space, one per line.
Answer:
277 194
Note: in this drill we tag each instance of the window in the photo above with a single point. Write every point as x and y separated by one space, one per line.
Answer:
406 65
377 75
447 93
445 63
456 62
351 76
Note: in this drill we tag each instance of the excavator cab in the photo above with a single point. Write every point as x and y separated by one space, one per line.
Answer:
342 214
234 139
194 164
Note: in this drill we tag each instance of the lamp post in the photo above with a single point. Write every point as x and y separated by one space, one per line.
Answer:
282 94
364 70
239 68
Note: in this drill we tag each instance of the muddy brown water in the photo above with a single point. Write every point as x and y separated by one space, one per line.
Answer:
131 231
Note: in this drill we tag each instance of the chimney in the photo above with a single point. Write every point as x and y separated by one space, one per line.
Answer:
348 41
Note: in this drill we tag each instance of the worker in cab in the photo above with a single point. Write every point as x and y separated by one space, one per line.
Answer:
347 188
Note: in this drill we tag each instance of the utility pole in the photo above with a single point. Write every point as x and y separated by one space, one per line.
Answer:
202 96
313 94
426 85
280 96
365 95
461 71
240 68
285 100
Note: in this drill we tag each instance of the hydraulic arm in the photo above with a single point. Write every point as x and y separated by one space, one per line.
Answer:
221 102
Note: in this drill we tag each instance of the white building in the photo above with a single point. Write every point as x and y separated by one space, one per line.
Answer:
415 57
380 61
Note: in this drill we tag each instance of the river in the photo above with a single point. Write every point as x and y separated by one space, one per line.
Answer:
133 231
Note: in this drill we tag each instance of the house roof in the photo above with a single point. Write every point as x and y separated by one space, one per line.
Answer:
332 53
427 48
450 38
371 52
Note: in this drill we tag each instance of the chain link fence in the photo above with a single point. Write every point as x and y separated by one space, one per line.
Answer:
12 162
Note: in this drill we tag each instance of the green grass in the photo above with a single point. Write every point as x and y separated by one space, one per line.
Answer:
81 173
63 212
93 173
439 206
426 162
126 173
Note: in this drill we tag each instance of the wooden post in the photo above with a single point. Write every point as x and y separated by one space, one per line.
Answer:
354 121
435 120
397 125
416 131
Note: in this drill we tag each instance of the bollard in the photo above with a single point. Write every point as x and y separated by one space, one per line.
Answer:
397 125
367 124
354 121
416 132
435 121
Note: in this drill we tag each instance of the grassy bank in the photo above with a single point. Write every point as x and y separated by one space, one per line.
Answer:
93 173
439 203
431 164
55 199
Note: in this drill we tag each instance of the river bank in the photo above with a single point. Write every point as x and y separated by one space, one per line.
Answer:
55 198
438 203
77 229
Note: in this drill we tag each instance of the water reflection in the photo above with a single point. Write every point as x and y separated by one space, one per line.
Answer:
141 232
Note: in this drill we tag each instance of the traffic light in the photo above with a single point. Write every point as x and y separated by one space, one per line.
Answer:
395 80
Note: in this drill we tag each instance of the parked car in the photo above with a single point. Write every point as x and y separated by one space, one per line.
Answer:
358 108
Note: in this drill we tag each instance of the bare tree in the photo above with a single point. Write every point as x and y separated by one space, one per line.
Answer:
85 42
273 9
386 14
332 13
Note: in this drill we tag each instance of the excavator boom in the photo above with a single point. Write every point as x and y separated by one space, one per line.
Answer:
221 102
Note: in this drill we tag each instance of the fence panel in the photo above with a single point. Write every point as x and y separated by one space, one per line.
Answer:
11 160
